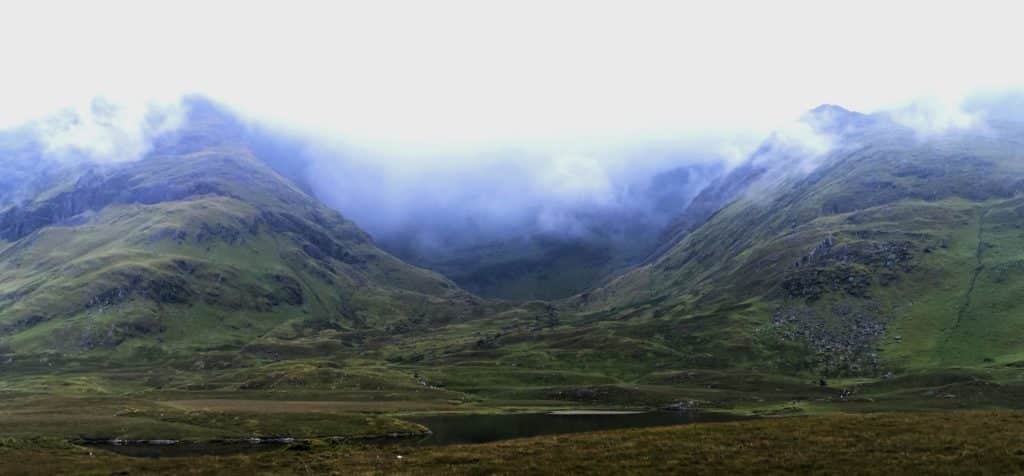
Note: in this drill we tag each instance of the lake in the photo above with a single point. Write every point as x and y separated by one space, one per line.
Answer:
458 429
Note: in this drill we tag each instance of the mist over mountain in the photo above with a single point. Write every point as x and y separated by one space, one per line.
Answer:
546 249
513 224
509 224
223 256
338 237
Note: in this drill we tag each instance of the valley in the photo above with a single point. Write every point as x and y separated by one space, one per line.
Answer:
200 297
524 238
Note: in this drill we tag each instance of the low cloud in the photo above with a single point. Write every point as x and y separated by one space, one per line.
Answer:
930 117
500 194
803 143
105 131
798 148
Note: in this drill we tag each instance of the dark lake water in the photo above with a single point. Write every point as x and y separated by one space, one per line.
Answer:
456 429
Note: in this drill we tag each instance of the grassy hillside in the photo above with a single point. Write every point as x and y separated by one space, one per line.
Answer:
897 253
187 251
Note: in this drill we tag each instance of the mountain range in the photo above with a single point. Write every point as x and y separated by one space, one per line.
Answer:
200 244
888 252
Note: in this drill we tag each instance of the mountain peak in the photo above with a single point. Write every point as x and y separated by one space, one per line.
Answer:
831 109
206 124
835 119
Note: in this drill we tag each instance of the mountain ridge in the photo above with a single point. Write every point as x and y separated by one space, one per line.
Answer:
122 250
796 263
819 254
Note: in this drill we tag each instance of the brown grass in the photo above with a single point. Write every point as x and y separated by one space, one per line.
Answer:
893 443
282 406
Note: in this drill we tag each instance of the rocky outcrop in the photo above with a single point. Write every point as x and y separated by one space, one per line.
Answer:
93 192
843 338
812 283
847 267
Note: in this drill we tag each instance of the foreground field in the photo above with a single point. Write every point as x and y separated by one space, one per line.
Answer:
956 442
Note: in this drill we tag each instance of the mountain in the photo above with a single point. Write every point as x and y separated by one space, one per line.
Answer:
520 260
857 247
890 252
896 251
199 245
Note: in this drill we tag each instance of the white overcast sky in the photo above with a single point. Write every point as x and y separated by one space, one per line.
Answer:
444 75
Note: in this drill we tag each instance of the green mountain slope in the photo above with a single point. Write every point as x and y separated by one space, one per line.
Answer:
198 246
897 252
